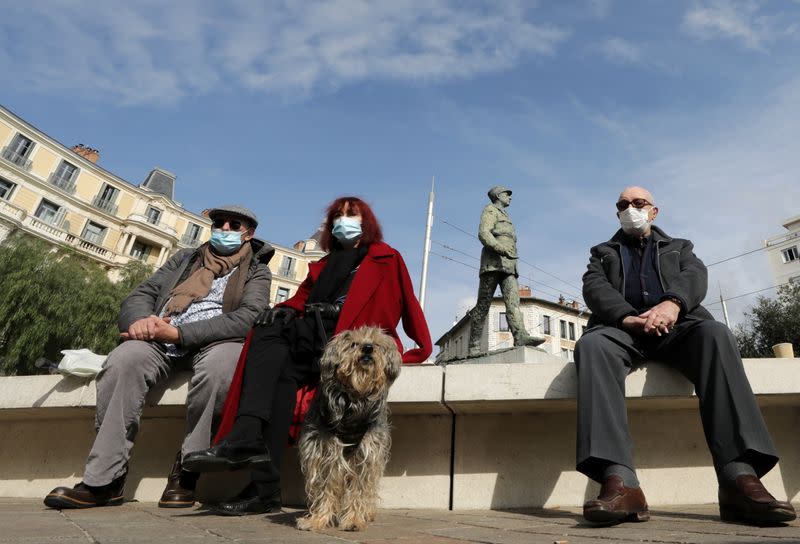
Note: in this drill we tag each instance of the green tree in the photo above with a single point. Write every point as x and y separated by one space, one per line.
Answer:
770 322
53 299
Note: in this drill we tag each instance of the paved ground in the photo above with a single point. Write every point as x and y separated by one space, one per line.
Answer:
27 521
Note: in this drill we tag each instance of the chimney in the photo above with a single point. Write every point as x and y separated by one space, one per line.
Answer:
524 291
88 153
561 300
574 304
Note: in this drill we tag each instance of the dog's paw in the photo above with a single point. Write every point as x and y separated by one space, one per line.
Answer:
312 523
353 526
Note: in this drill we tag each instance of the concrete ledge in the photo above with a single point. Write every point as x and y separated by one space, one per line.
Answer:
470 436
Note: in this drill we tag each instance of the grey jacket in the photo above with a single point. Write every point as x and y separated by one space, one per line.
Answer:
496 233
681 273
151 296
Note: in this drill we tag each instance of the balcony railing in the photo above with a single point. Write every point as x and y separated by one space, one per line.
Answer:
12 156
67 185
105 205
162 227
190 241
290 273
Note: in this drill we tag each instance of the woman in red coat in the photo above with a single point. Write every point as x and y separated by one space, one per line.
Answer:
362 281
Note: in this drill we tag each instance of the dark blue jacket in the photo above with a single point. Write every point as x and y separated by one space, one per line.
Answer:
681 273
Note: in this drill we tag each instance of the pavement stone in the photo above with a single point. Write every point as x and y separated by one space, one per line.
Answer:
27 521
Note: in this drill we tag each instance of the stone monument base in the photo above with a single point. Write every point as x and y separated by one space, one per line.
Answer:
520 354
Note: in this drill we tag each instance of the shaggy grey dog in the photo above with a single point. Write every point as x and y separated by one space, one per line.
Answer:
345 442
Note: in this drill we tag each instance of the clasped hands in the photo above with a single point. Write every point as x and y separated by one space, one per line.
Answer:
152 328
657 321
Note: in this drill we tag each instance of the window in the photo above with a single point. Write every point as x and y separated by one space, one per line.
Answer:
790 254
192 232
153 215
572 331
19 150
94 233
141 251
287 267
546 324
283 294
6 188
50 212
502 322
64 176
563 325
106 198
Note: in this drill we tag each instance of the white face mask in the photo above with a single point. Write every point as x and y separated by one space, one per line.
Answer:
634 221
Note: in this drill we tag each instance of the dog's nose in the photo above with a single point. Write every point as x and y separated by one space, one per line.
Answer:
366 349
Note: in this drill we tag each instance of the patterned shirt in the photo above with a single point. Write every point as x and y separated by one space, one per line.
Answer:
205 308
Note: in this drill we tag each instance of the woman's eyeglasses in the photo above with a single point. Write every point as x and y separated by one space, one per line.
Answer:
623 204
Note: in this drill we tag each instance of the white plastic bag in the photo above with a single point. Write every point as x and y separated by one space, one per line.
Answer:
81 362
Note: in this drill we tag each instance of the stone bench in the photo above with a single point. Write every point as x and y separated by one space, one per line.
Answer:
464 436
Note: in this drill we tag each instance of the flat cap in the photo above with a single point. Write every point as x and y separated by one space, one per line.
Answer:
495 191
233 209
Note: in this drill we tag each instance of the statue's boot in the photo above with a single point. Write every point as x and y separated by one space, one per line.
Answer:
529 340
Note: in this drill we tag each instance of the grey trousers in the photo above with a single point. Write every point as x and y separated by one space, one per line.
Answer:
509 287
131 369
702 350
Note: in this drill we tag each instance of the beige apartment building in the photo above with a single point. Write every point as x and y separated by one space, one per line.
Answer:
783 252
62 195
561 323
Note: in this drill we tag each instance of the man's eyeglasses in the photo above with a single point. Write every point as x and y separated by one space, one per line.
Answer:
219 222
623 204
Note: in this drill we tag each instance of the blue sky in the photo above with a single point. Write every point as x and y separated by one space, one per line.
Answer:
283 106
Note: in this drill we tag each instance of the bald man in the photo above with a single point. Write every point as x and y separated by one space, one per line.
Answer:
644 289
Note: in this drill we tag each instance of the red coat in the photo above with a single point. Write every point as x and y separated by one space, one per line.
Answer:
381 295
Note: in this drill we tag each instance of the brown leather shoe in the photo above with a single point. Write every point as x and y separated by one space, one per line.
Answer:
85 496
747 500
179 492
617 503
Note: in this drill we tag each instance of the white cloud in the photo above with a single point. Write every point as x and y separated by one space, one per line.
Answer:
620 50
742 21
150 52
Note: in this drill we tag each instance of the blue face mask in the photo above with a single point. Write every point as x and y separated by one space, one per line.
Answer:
225 242
347 230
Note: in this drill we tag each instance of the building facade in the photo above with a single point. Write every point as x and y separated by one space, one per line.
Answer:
561 323
783 252
61 195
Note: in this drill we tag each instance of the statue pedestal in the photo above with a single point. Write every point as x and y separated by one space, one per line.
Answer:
521 354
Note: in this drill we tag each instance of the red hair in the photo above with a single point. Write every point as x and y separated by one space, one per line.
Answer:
370 228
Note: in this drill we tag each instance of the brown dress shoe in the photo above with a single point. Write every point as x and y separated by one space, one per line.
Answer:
747 500
617 503
181 484
86 496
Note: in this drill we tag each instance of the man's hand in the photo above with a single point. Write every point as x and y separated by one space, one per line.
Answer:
661 318
152 328
634 324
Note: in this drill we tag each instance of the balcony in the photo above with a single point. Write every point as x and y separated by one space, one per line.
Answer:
189 241
105 205
162 228
13 157
66 185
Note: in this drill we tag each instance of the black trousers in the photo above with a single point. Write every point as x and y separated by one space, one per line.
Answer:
274 369
705 352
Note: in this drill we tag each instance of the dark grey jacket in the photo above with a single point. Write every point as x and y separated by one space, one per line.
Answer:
681 273
151 296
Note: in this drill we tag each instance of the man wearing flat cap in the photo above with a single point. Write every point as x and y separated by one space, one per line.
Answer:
498 267
194 313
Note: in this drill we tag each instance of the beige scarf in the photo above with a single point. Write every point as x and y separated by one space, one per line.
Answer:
208 267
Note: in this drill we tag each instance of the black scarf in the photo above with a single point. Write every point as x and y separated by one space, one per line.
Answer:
333 281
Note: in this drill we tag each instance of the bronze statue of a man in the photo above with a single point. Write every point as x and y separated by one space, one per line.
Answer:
498 267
